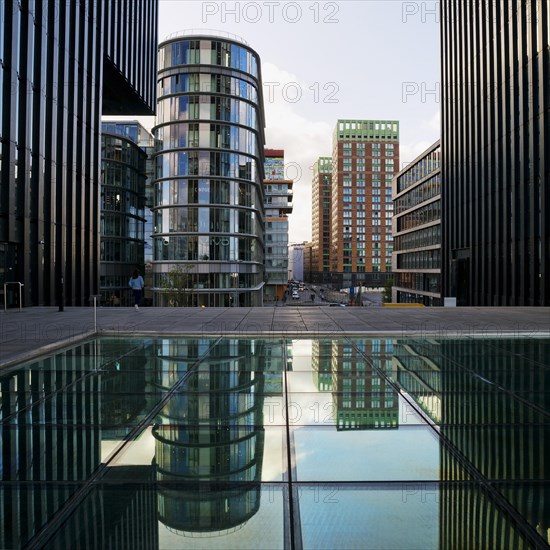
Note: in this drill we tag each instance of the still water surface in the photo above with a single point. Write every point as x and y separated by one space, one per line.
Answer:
278 443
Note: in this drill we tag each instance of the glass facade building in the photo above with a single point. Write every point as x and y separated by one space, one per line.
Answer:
209 204
278 205
123 185
496 152
417 230
63 65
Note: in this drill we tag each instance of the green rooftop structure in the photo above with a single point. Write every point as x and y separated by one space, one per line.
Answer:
367 130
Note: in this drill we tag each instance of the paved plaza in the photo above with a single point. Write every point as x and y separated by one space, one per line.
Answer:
32 331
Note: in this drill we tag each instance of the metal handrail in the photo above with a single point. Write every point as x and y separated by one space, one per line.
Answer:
95 298
215 33
21 285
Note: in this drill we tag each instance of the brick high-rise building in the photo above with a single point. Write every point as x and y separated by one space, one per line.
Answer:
321 220
365 158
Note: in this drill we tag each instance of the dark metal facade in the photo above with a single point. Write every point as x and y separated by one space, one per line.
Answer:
55 57
496 152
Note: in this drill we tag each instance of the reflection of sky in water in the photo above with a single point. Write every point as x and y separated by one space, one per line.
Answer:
404 519
366 455
301 354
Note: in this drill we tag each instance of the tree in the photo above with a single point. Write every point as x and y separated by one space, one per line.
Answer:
177 285
386 296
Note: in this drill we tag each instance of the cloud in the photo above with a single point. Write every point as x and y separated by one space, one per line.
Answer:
304 140
409 150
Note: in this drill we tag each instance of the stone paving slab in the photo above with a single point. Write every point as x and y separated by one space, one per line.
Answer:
37 330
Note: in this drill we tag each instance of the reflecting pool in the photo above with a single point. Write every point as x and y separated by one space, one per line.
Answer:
386 443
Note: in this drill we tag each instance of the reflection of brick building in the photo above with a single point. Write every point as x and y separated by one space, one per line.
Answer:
363 398
321 363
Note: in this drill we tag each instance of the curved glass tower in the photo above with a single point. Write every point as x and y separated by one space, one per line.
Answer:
208 210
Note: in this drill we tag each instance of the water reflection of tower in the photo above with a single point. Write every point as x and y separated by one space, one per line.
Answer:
49 430
486 396
419 375
56 414
209 443
363 399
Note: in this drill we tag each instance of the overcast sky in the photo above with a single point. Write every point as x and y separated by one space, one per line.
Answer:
364 59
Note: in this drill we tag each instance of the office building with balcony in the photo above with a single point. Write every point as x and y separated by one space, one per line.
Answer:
63 65
209 204
496 152
278 206
364 160
321 220
417 230
124 178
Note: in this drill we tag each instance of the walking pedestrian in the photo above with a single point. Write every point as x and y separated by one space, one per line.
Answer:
136 284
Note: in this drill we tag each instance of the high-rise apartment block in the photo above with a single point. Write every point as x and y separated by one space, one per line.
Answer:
321 218
209 203
63 65
278 206
364 159
417 230
496 152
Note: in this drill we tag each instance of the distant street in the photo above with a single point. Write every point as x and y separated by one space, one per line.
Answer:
314 295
